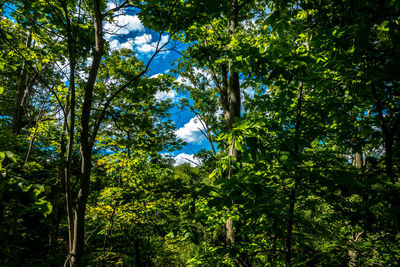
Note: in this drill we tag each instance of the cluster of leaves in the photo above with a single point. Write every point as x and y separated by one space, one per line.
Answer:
316 177
319 132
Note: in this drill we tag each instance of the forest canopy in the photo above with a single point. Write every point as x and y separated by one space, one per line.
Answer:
199 133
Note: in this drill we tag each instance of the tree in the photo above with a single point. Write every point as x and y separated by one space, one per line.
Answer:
297 99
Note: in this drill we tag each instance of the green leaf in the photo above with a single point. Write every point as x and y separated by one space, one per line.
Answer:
238 145
186 236
44 206
170 235
11 156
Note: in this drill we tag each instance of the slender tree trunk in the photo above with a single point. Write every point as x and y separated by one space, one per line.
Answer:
56 202
352 253
22 91
292 198
233 112
30 147
387 135
86 145
292 194
352 256
71 131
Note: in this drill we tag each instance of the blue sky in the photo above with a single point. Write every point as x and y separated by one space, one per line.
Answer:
126 31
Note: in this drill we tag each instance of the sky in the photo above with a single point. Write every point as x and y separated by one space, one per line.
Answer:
127 31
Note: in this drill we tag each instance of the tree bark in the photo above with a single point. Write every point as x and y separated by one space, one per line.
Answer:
234 105
85 144
55 214
70 107
16 123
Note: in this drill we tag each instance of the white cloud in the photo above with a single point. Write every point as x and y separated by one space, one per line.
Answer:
182 158
206 74
190 132
155 76
186 158
127 44
146 48
164 39
162 95
89 62
131 23
145 38
123 24
182 80
114 44
198 72
144 44
248 91
63 68
111 5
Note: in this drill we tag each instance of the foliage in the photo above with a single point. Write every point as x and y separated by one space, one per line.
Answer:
314 182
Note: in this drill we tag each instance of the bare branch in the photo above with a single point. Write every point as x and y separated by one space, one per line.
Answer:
115 9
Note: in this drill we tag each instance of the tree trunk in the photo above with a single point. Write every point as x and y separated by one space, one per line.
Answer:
231 105
292 195
70 106
56 202
85 144
288 256
21 93
352 253
387 135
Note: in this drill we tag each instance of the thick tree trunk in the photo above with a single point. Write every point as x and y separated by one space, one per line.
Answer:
79 222
358 160
21 93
